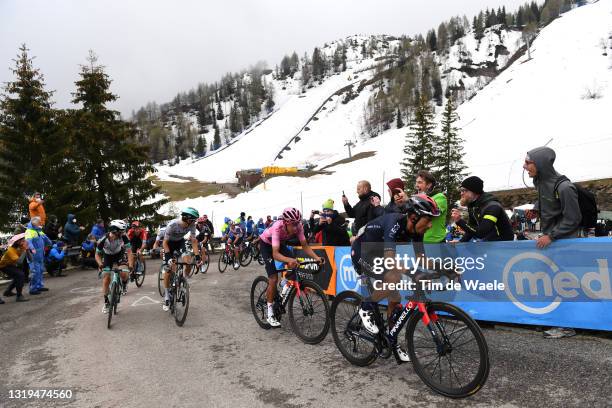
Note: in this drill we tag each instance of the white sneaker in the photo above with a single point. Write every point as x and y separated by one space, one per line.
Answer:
273 322
166 306
236 265
403 356
124 291
105 308
368 321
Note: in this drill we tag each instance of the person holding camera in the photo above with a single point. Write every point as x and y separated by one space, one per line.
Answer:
398 196
331 224
37 209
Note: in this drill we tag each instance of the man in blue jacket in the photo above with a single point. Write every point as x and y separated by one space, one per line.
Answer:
98 229
72 230
55 259
36 242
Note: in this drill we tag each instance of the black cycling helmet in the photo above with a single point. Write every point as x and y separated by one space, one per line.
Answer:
422 205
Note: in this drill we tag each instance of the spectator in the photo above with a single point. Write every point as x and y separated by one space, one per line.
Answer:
36 243
88 252
52 228
249 226
377 209
425 184
488 220
55 260
331 224
209 224
98 229
8 264
558 208
396 188
37 209
72 231
260 226
268 221
362 212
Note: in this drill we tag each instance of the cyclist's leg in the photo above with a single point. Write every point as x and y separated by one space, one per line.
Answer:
107 265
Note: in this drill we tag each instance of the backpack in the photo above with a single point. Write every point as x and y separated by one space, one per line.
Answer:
586 201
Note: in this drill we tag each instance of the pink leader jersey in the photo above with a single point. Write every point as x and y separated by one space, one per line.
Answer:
277 233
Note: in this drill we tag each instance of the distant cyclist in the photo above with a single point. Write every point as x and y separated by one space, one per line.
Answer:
114 248
235 238
273 247
138 239
174 240
386 231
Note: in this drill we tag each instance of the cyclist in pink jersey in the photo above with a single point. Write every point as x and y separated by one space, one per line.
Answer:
273 247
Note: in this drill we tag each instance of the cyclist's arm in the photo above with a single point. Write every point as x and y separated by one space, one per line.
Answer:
98 259
306 248
128 248
276 254
98 249
195 245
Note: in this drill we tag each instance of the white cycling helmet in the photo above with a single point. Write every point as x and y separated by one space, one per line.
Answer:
117 225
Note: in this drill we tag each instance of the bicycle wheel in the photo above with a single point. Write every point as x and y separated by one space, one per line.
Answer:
111 300
141 268
222 262
259 304
458 365
309 313
160 281
246 256
351 338
181 305
117 297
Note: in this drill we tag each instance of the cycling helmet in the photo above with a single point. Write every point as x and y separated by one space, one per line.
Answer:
291 214
190 213
423 205
117 225
135 224
201 220
227 220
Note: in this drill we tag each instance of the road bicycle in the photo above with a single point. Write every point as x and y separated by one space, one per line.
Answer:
114 294
179 290
448 350
140 268
303 299
227 258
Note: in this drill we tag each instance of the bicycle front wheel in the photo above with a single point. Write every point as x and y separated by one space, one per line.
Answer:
352 339
181 303
111 300
222 262
141 268
245 257
450 355
309 313
259 304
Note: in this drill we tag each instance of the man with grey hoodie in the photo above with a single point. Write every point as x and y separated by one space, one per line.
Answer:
560 214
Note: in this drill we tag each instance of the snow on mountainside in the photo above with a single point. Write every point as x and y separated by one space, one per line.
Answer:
529 103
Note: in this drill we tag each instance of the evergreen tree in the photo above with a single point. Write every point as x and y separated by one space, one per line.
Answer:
432 41
30 148
306 72
419 148
235 124
112 169
442 37
216 138
200 149
449 154
220 115
399 123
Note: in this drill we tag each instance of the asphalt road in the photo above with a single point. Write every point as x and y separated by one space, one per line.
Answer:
221 358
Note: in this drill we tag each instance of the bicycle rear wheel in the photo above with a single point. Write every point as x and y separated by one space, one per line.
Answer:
309 313
259 304
457 364
351 338
141 268
160 281
181 302
222 262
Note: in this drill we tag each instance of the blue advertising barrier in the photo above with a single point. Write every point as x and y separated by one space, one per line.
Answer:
565 285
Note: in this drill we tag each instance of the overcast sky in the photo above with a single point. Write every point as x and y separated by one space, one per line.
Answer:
153 49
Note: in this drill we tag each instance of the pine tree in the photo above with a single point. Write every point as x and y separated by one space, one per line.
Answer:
235 124
432 41
200 149
449 154
220 115
29 141
216 138
399 123
419 148
112 168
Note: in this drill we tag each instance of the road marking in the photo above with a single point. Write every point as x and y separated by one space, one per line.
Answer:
145 300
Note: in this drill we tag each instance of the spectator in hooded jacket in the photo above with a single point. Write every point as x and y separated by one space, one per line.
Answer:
72 231
55 260
37 209
88 252
331 224
52 228
36 243
98 229
8 264
363 210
